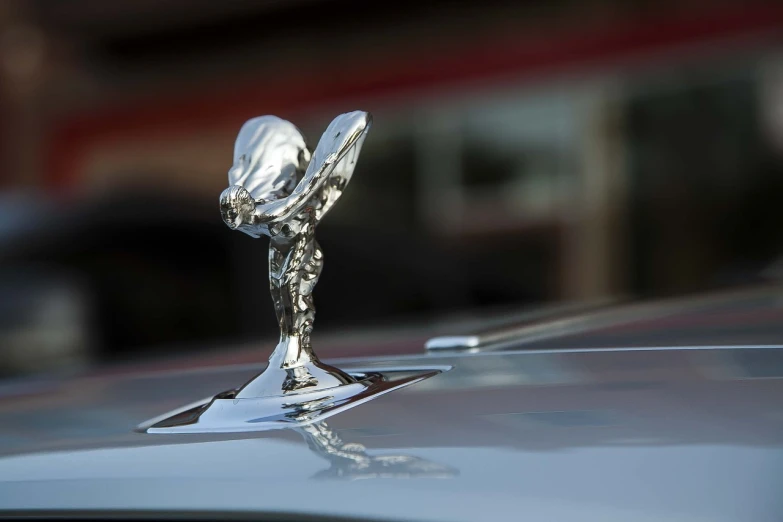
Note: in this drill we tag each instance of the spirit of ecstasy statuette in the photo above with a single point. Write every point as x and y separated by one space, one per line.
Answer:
277 188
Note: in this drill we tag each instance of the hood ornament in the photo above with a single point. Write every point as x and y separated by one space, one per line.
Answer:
278 189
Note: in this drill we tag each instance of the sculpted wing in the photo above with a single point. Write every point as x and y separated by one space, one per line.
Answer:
336 154
270 155
329 171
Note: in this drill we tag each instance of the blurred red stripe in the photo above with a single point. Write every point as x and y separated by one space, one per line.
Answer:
524 56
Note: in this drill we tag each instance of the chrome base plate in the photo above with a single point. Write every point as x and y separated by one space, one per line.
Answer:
230 412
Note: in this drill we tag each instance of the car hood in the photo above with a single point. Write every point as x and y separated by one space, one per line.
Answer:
690 433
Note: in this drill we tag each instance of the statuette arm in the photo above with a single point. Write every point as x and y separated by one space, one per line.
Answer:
282 209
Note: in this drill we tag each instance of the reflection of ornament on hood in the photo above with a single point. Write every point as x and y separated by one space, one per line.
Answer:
279 189
350 460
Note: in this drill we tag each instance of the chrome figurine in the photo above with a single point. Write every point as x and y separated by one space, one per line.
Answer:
279 189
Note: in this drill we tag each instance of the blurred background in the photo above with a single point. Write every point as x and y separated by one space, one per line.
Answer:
523 153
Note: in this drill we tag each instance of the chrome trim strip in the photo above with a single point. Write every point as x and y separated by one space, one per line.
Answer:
453 342
557 327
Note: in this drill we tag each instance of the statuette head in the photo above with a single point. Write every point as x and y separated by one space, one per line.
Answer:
236 206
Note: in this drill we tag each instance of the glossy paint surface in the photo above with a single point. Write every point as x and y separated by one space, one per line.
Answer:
672 434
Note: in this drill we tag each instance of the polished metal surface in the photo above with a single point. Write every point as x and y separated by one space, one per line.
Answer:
655 435
454 342
351 461
280 190
541 322
607 324
230 412
530 333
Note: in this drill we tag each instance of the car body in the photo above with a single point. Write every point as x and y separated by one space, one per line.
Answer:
593 425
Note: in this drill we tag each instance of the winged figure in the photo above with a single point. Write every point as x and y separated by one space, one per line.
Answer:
278 188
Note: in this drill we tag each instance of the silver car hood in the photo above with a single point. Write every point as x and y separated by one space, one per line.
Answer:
646 434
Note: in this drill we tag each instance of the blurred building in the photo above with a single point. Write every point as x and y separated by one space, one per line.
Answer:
536 150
